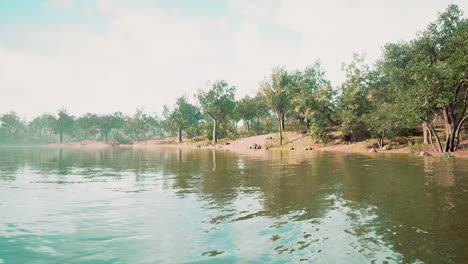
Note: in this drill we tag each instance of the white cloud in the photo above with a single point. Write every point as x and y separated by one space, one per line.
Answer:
333 30
149 56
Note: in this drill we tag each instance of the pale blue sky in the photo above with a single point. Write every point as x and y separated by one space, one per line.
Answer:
109 55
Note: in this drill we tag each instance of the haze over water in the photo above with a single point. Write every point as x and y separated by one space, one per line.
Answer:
206 206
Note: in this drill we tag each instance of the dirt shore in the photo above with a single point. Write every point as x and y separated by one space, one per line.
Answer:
292 142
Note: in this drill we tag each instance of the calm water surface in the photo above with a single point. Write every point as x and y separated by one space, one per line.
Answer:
207 206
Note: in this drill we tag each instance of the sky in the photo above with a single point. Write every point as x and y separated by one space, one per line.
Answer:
103 56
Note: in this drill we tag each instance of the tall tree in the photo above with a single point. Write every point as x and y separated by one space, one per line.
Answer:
137 124
353 100
217 103
108 122
246 108
261 110
88 124
313 100
64 123
11 122
184 115
278 91
437 64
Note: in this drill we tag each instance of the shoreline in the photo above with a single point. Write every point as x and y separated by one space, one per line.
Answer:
242 146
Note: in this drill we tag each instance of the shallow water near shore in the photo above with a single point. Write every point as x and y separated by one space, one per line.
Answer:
172 205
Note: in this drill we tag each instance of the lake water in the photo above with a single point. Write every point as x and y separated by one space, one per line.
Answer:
213 206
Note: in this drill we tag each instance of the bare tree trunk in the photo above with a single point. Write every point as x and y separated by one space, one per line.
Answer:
280 131
248 127
61 136
215 123
258 125
426 133
180 135
282 122
380 140
457 131
452 129
438 147
430 140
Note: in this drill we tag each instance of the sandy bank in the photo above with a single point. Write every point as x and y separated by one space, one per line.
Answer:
294 140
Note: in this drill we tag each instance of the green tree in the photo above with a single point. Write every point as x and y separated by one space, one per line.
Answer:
184 115
261 110
353 100
88 123
278 92
436 64
42 127
11 122
108 122
64 123
313 101
154 125
217 103
246 108
137 124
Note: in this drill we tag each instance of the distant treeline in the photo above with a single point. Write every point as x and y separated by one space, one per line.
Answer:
412 84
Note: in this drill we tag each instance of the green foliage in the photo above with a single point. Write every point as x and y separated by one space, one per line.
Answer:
217 103
313 96
183 116
11 128
353 100
247 109
428 75
137 124
318 133
448 155
278 91
89 124
64 123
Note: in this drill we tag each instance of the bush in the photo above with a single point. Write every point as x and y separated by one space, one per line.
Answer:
319 133
122 140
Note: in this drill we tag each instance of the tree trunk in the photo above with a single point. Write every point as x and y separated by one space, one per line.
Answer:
280 123
438 147
457 131
426 133
452 129
380 140
215 123
258 125
248 127
105 136
61 136
180 135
